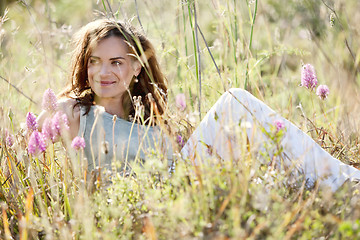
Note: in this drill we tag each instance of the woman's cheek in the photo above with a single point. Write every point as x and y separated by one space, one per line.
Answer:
92 72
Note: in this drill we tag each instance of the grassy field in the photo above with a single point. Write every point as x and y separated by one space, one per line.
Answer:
256 45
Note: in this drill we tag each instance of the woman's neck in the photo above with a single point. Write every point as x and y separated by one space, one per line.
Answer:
112 105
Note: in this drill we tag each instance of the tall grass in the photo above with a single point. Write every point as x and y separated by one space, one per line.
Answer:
49 197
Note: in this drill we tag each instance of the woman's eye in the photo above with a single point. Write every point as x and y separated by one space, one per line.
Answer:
116 63
93 61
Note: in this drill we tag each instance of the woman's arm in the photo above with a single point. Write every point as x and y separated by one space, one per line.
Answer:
72 113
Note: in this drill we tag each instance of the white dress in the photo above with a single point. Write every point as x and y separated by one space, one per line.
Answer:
238 109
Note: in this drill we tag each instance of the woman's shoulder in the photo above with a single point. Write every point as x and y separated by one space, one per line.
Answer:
72 110
70 107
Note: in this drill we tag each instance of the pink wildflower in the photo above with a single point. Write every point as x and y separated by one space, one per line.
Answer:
279 124
49 102
59 123
31 123
322 91
53 127
47 131
180 101
308 77
78 143
36 143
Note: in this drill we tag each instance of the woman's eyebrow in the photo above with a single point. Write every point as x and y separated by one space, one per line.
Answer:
114 58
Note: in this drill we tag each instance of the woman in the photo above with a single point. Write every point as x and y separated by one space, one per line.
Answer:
112 63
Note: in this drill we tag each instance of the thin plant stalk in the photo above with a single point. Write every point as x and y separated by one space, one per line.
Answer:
233 33
196 51
109 6
18 90
199 57
250 45
212 58
252 25
138 16
184 24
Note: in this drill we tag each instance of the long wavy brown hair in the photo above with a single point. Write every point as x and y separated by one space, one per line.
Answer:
150 84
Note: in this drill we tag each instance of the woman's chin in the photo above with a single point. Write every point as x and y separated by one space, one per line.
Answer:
107 94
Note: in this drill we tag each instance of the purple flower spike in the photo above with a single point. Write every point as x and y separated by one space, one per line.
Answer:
36 143
279 124
49 102
47 131
78 143
180 101
308 77
31 123
59 123
322 91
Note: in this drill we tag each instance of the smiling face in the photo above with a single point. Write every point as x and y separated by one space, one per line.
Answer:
111 69
103 63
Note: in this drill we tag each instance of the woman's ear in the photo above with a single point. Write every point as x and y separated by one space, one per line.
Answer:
136 67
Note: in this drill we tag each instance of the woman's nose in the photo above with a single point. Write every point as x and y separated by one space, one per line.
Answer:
104 70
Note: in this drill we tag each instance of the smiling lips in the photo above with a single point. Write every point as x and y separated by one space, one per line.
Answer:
106 83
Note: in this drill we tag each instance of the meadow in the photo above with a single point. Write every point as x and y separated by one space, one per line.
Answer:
204 48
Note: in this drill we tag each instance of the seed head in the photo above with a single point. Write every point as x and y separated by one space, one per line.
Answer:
332 19
105 147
